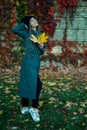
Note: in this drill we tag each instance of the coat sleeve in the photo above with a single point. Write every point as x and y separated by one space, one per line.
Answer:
20 30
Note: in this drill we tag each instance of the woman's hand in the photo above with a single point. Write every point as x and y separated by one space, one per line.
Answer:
26 26
41 45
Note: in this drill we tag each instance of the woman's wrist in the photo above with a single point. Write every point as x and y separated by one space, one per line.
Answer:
41 45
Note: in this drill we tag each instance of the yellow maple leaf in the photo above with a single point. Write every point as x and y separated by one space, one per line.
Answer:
41 103
42 38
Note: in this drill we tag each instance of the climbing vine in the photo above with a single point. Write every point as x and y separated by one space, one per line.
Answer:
66 5
45 10
42 10
12 11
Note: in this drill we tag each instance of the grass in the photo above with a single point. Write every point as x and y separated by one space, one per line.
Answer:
63 104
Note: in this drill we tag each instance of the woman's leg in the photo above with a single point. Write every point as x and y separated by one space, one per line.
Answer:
24 102
34 111
39 87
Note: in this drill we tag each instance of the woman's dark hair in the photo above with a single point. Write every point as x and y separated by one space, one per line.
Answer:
26 20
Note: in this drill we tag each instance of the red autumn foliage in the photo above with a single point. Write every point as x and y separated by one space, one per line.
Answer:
66 5
44 11
69 55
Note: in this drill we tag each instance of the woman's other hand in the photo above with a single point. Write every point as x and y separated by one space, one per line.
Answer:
41 45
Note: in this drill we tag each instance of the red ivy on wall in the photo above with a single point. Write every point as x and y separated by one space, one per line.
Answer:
44 11
66 4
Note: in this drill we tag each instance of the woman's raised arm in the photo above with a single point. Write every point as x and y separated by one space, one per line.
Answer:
20 30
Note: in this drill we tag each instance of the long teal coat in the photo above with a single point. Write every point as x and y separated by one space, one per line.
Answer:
31 62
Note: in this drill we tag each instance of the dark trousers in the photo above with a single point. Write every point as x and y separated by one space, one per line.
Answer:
35 102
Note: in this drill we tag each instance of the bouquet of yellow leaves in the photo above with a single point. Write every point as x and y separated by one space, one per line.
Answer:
42 38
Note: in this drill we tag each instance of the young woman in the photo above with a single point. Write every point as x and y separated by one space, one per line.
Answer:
30 84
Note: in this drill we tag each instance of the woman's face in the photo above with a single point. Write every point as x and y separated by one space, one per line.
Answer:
33 22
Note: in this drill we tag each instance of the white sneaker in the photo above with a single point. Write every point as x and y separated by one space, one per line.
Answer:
24 110
34 114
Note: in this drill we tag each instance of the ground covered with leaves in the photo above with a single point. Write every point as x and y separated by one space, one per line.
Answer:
63 100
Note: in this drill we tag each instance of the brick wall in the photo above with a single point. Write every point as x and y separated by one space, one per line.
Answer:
76 32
